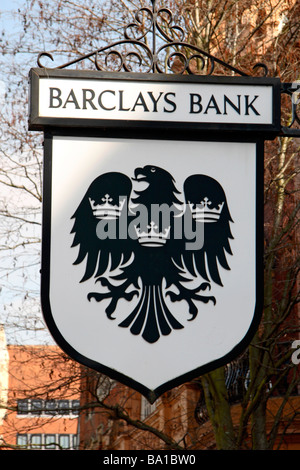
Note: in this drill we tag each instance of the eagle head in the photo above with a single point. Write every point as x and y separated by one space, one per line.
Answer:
152 174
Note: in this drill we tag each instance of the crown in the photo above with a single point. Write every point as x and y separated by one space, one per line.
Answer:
202 212
152 238
106 210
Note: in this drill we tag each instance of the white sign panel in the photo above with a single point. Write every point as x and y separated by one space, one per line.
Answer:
122 100
161 101
150 255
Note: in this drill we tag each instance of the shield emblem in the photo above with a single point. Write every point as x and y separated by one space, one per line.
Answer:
152 260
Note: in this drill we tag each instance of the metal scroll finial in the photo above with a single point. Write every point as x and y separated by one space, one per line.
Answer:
169 47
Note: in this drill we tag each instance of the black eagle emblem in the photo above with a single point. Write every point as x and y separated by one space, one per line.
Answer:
157 237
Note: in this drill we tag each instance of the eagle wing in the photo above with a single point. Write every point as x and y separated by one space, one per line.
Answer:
210 217
97 222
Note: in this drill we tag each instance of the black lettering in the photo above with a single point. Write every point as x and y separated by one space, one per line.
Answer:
250 105
71 99
212 104
55 97
168 101
140 102
89 100
195 100
100 100
155 101
237 107
121 102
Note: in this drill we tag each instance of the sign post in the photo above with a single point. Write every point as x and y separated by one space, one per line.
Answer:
152 240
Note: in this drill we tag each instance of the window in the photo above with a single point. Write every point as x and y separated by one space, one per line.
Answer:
47 441
74 441
50 441
75 407
37 407
22 440
64 407
146 408
50 407
64 441
36 441
23 407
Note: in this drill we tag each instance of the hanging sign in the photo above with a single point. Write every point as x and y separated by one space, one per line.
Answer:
152 240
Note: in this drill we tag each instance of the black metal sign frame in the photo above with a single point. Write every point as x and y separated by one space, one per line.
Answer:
39 122
150 394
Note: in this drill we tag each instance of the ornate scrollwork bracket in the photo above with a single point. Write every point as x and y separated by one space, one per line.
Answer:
168 47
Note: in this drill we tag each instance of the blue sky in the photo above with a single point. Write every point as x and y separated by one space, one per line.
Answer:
7 21
8 5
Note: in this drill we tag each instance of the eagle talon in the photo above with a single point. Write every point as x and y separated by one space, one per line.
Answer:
193 311
129 295
204 286
115 299
173 297
204 299
111 308
115 294
190 295
98 296
104 281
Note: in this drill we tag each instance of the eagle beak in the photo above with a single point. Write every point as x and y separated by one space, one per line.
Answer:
139 175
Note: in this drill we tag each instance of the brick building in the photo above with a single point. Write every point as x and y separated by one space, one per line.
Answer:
172 414
180 414
39 408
